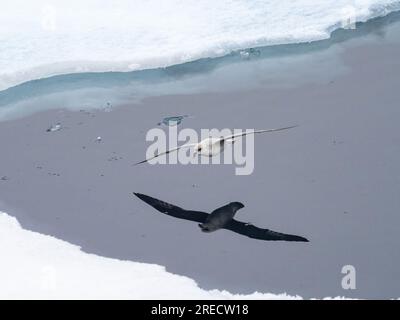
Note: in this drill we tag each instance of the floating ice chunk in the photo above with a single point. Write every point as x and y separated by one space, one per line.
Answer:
99 139
244 54
108 107
172 121
249 53
54 128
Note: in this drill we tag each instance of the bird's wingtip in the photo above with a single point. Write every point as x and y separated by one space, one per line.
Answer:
143 197
137 194
143 161
297 239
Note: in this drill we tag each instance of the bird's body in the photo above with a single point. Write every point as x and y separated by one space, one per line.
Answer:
209 147
221 218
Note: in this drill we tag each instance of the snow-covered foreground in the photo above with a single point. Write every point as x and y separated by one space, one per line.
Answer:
36 266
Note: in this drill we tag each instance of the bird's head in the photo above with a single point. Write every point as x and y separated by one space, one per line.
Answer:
236 206
204 227
197 149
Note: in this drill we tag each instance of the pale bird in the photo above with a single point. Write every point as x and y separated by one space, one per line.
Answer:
210 146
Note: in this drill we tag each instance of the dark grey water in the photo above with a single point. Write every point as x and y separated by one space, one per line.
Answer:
334 180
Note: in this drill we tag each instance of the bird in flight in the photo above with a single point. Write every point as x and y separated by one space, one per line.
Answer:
221 218
210 147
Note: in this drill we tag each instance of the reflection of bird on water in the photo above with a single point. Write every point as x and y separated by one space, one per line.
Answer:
221 218
212 146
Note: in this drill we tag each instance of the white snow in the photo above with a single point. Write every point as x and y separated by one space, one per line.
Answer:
42 38
37 266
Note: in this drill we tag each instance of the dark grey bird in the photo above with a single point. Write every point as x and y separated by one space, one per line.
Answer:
221 218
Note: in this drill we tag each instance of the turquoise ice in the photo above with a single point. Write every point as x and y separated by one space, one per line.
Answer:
172 121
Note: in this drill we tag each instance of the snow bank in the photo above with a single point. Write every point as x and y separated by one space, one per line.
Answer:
36 266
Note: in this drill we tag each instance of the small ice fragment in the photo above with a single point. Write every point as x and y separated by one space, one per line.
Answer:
108 107
244 54
172 121
133 66
99 139
249 53
254 52
54 128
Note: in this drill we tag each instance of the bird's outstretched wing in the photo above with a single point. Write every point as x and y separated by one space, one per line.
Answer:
242 134
171 210
261 234
166 152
